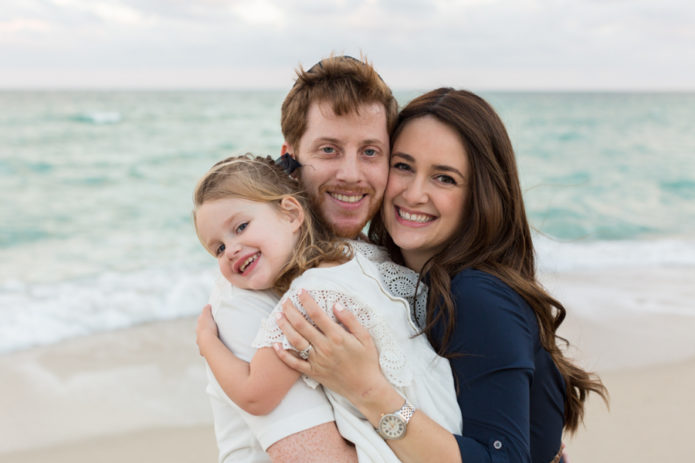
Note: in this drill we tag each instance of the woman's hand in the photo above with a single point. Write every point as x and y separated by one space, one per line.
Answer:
346 361
342 359
206 329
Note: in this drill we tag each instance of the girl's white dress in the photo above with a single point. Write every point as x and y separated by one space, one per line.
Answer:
375 290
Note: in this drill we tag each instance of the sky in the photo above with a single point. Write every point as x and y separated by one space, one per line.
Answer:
414 44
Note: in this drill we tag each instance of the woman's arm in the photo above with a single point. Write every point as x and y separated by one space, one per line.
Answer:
494 375
347 362
256 387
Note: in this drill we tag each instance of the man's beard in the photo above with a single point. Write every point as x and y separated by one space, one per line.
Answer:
351 231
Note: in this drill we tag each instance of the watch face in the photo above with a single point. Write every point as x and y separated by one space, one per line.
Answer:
392 426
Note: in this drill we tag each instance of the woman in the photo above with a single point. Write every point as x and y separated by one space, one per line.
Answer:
453 211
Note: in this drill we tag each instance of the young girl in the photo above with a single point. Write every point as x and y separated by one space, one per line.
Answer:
256 221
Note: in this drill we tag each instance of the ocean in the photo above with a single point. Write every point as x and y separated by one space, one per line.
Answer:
95 224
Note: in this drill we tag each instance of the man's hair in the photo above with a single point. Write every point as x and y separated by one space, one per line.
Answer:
342 81
260 179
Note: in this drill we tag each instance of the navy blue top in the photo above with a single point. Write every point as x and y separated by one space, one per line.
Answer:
510 392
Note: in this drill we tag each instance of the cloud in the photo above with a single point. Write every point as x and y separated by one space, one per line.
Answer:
498 43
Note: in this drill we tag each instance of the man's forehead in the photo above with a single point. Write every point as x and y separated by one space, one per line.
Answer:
365 126
324 109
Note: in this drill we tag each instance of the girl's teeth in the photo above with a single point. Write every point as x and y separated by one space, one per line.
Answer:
247 262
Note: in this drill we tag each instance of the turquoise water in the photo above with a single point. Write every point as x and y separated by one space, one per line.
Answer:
95 229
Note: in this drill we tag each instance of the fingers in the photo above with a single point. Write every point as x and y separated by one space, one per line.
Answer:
297 329
293 337
292 361
206 314
205 328
324 323
349 321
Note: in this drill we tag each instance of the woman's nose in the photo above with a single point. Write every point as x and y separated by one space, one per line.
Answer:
415 192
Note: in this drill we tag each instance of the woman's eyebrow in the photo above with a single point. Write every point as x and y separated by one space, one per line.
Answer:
446 168
405 156
439 167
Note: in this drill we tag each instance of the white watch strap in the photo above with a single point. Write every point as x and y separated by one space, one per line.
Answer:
406 411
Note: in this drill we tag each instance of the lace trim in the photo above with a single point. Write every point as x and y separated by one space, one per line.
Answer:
391 358
399 280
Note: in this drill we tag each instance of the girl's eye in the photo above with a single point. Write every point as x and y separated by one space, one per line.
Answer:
220 249
242 227
446 179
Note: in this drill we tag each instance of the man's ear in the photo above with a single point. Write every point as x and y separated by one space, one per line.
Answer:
294 211
287 148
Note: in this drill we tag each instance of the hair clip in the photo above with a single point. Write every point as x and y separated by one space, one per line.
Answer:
288 163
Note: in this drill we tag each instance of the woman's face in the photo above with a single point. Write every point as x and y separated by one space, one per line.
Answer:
426 191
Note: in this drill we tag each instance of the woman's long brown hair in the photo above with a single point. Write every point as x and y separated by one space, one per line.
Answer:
494 236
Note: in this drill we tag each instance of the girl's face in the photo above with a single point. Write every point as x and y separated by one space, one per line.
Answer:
251 240
426 191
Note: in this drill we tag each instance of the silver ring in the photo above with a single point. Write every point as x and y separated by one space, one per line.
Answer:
304 354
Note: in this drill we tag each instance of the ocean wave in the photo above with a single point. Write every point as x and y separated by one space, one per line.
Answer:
40 314
557 255
98 117
598 279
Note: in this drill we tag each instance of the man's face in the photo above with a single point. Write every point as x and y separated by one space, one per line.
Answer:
345 164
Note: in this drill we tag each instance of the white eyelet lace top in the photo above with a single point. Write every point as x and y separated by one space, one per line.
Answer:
376 290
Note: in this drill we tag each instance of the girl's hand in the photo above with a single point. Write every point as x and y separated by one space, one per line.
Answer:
344 360
205 329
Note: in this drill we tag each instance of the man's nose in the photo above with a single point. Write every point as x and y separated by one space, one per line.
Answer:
349 169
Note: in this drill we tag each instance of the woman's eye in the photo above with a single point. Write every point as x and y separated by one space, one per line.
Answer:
220 249
446 179
400 166
242 227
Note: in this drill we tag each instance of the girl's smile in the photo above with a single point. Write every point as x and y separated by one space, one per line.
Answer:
252 241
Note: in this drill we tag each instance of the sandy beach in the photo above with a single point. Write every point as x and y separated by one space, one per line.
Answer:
138 394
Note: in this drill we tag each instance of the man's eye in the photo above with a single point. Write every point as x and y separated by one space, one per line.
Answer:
242 227
220 249
327 149
371 152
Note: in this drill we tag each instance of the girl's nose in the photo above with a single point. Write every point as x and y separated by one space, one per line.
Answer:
231 249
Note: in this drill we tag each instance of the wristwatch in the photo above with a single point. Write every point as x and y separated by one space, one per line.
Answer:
393 425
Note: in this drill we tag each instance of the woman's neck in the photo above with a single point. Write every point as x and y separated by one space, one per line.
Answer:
415 260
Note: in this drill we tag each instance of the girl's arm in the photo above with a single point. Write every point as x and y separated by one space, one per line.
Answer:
256 387
347 362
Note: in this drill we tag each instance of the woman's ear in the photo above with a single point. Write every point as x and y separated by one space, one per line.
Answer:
294 211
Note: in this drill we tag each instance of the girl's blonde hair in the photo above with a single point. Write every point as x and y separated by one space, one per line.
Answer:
257 178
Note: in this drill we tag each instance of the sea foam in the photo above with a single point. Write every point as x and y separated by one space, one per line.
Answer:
33 314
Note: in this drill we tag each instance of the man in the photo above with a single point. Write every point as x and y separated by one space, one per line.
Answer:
336 121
